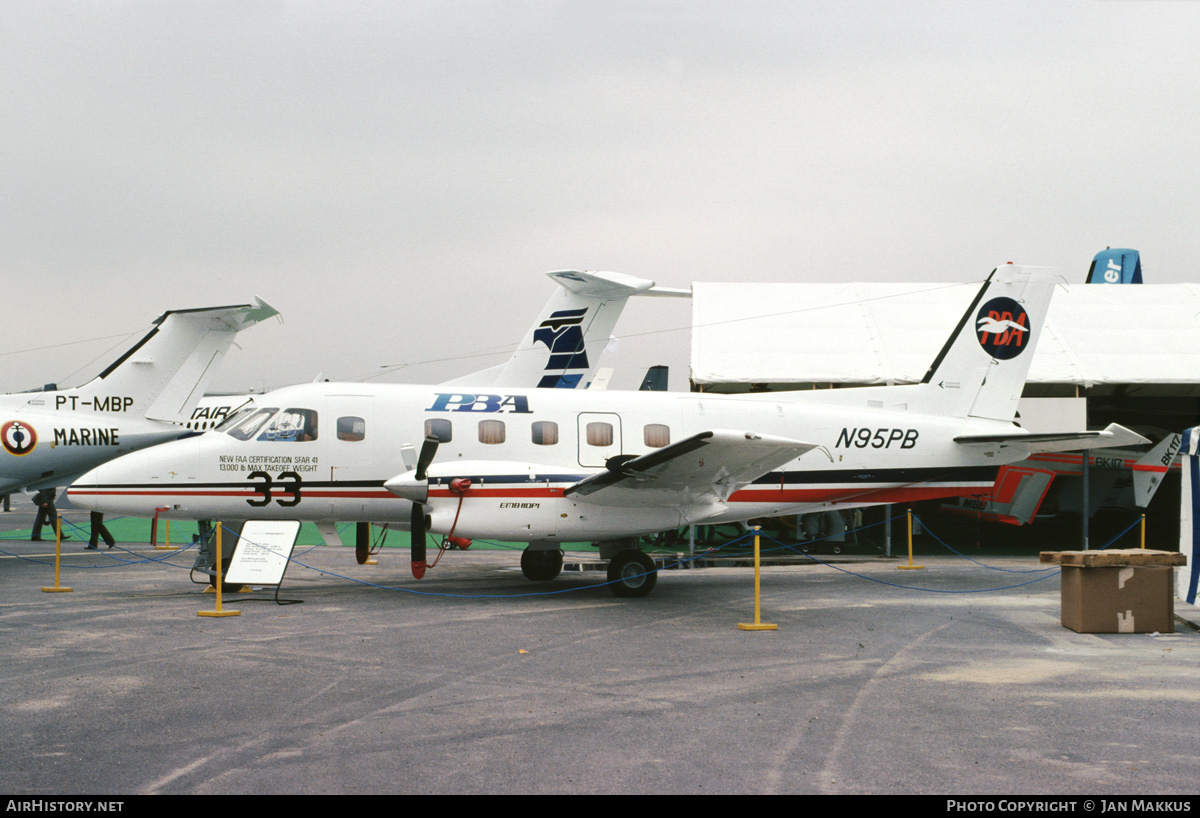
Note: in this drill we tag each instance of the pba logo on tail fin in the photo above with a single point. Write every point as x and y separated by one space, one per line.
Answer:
562 333
1003 328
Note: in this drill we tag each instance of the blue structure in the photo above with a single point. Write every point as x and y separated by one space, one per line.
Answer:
1115 266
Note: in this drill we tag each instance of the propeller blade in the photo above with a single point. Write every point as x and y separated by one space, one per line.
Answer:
428 450
418 534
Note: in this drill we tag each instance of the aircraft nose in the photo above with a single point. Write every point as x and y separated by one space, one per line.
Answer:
90 490
136 483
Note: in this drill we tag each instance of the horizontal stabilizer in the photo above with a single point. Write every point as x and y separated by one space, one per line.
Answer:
1113 435
607 286
710 465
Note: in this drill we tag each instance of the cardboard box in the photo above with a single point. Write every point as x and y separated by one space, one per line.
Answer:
1118 599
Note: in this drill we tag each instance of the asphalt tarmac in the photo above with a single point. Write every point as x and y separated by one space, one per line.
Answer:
475 680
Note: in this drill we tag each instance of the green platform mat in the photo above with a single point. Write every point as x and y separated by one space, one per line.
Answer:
137 530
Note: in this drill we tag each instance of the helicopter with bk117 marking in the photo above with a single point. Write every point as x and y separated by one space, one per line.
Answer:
548 466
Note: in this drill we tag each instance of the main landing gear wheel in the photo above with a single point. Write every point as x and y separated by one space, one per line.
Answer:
541 565
632 573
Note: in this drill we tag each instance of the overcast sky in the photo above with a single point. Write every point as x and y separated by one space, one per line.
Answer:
396 177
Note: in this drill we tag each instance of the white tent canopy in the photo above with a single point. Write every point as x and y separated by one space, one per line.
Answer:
874 333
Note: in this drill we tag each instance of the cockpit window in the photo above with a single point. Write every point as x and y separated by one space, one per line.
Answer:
236 417
291 426
243 425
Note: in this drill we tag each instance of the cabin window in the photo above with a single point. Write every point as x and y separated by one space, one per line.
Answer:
245 427
351 428
600 434
291 426
545 433
657 435
441 429
491 431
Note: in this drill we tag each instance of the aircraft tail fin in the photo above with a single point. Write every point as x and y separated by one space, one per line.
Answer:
1115 266
165 374
655 380
562 348
981 370
1150 468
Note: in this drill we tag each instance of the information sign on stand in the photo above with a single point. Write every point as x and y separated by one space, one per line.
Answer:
263 551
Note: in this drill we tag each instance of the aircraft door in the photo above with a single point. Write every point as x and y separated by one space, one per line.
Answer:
599 437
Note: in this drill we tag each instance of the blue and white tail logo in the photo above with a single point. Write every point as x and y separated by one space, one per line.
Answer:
562 334
1002 328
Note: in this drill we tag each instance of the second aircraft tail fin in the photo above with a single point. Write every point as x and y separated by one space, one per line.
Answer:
165 373
1150 468
1116 266
981 370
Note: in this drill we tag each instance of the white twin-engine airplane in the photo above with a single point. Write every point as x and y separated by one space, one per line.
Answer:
147 396
548 466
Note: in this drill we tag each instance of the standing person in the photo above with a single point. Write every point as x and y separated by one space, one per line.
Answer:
99 530
47 513
7 499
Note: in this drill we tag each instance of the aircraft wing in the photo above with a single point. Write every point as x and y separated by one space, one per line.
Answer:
704 467
1113 435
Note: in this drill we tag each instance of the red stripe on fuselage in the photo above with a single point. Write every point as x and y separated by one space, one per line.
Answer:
829 494
236 493
857 494
538 492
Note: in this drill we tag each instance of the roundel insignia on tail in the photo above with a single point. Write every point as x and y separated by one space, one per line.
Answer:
17 438
1002 328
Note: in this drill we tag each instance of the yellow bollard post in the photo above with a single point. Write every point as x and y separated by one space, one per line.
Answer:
167 546
57 589
217 584
758 624
910 566
1143 531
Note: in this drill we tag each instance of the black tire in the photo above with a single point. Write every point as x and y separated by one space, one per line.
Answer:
541 565
632 574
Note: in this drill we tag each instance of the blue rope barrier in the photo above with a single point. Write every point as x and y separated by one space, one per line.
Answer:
776 546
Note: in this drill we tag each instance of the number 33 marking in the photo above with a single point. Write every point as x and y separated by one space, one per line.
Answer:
288 483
